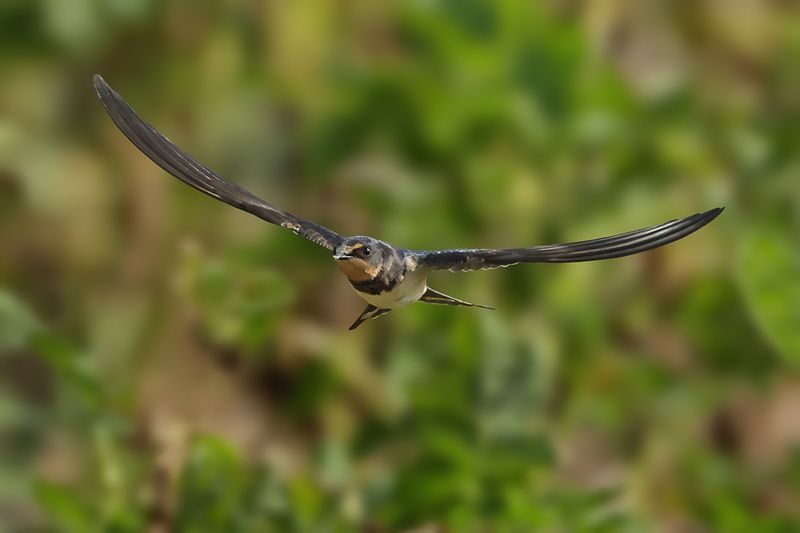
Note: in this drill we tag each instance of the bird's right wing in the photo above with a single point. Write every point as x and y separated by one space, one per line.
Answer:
620 245
187 169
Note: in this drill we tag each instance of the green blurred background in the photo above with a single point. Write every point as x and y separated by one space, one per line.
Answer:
168 363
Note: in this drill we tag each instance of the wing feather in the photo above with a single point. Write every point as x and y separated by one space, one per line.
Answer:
620 245
187 169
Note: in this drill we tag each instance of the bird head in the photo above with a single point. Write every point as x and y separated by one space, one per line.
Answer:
360 258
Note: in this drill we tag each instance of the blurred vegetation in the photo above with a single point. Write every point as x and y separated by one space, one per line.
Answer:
169 363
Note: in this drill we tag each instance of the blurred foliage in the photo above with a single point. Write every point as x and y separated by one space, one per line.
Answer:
170 364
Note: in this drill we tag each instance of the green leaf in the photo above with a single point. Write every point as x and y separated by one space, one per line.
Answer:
210 487
769 275
64 507
70 365
17 322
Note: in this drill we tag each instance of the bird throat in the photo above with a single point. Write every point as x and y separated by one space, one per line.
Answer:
356 269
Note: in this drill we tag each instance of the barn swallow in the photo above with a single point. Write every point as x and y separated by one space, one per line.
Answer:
385 276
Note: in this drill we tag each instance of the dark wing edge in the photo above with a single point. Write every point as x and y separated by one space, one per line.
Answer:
187 169
620 245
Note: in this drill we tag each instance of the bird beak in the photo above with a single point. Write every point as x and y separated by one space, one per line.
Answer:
341 256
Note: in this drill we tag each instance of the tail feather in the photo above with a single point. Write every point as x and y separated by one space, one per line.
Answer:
369 312
434 297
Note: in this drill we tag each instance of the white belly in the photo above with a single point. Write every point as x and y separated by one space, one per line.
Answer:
406 292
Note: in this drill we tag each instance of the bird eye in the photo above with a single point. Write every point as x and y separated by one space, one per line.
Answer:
364 251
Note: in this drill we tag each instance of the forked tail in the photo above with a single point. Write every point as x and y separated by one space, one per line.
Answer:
369 312
434 297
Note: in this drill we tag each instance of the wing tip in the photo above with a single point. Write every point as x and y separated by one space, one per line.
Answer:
710 215
108 97
100 85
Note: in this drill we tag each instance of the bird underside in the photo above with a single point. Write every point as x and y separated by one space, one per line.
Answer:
430 297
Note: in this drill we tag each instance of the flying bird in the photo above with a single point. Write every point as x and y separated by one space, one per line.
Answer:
385 276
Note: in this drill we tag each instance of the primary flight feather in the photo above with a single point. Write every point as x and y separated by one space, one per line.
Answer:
385 276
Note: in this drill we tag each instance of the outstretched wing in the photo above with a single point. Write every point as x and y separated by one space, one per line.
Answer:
184 167
620 245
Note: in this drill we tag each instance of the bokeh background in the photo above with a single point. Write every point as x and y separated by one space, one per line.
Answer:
168 363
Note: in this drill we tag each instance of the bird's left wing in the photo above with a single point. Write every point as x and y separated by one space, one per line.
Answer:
187 169
620 245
